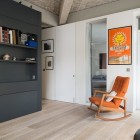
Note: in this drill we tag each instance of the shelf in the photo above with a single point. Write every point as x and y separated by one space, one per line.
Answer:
16 45
18 61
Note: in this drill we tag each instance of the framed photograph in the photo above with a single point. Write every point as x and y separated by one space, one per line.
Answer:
49 62
48 46
120 46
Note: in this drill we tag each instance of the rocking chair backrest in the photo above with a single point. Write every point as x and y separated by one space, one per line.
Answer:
120 86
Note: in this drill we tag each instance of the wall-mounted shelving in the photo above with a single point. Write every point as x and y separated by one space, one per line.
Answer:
20 74
17 45
17 61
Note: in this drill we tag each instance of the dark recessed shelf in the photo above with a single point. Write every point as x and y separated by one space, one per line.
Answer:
18 61
22 81
16 45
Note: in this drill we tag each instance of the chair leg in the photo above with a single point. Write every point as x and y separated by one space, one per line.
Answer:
99 109
124 107
91 108
90 105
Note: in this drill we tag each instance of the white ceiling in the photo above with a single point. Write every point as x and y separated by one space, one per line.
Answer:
54 5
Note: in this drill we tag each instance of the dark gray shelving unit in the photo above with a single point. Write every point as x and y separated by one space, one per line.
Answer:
20 80
17 61
16 45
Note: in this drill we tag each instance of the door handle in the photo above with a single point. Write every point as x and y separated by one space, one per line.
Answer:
43 69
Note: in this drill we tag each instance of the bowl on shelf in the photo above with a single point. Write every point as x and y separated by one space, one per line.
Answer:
6 57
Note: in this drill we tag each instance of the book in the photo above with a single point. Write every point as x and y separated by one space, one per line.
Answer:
14 36
11 37
1 38
5 36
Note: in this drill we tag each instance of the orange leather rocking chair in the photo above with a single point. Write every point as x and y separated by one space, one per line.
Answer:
105 103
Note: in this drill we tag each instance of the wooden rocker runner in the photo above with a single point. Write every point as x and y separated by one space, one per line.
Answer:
111 101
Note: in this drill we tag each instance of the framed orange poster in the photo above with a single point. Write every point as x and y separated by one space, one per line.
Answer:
120 46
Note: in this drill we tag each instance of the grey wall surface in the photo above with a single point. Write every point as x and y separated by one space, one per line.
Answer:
114 7
46 16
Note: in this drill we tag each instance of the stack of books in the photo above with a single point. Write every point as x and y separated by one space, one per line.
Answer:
8 35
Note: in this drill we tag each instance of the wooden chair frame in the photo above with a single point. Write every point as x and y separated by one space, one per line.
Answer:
101 108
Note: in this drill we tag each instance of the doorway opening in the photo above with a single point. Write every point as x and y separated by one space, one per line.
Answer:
97 55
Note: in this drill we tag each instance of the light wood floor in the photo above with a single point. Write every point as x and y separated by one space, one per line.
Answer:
65 121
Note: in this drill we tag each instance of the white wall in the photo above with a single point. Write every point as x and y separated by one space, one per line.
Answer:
126 18
48 76
120 20
99 32
113 21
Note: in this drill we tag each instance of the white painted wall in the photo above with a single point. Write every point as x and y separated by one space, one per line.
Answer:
126 18
99 32
48 76
113 21
120 20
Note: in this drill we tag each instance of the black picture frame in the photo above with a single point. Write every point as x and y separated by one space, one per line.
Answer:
49 63
48 46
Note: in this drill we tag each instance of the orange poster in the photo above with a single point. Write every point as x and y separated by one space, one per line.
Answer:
119 45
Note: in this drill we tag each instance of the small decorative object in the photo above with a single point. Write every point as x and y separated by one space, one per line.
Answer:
30 59
23 38
48 46
49 62
14 58
32 44
6 57
119 46
32 37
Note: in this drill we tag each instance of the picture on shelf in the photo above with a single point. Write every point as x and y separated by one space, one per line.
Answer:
48 46
49 62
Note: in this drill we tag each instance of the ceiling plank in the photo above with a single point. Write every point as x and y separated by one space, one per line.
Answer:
64 11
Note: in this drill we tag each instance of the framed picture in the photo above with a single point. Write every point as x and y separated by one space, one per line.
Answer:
48 46
120 46
49 62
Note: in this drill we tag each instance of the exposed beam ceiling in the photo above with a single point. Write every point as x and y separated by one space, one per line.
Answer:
64 10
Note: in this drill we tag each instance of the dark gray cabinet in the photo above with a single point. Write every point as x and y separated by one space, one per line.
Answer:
20 81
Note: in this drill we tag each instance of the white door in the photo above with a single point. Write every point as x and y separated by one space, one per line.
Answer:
48 79
65 63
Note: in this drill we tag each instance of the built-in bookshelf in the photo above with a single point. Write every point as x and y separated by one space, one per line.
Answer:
20 57
17 37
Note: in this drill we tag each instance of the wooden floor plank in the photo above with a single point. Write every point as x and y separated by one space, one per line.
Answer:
66 121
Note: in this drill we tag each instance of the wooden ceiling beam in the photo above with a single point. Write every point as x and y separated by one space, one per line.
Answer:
64 11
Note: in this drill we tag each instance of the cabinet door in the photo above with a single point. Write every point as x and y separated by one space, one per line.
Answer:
65 63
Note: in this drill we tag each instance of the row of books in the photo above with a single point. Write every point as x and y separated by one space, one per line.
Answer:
8 35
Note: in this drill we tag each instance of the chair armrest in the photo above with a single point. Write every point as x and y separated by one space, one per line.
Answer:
99 91
117 97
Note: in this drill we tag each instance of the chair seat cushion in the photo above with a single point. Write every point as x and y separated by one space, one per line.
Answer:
97 101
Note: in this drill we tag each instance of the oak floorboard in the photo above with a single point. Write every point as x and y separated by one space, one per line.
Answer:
67 121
